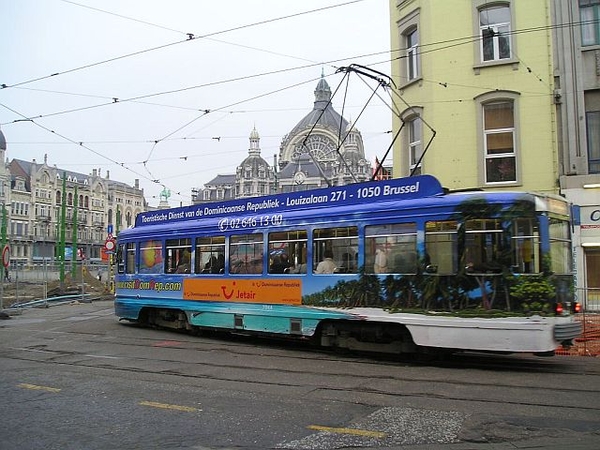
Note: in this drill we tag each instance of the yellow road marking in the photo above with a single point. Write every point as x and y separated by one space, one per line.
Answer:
354 431
167 406
38 388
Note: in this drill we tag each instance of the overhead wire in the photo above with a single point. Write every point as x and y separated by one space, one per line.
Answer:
243 78
190 37
453 42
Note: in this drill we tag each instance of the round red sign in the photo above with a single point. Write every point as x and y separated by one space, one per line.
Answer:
6 256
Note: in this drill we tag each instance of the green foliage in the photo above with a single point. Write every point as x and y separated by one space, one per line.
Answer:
535 289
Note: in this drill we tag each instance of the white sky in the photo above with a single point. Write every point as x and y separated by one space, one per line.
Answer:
257 66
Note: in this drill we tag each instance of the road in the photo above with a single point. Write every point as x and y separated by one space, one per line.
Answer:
73 377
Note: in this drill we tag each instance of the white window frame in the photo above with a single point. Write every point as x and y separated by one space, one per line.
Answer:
499 29
415 147
490 98
409 58
412 54
487 133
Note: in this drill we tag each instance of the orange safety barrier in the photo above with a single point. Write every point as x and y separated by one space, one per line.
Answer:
588 344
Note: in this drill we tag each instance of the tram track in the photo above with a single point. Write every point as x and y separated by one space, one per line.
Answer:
246 346
540 392
289 364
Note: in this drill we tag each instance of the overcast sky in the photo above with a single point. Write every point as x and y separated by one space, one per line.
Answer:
119 86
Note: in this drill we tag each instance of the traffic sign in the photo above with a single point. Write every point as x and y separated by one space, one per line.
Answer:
6 256
109 245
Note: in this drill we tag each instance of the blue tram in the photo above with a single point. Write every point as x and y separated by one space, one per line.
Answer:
396 266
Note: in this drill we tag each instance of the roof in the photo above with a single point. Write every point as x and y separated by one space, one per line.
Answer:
25 167
221 180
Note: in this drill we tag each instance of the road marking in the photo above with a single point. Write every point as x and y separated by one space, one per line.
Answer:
167 406
354 431
38 388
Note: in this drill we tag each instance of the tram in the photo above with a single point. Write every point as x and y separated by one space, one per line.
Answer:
393 266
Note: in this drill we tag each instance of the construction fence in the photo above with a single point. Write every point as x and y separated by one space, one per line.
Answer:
589 342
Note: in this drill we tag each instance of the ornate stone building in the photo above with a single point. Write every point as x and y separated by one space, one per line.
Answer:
32 195
254 177
323 149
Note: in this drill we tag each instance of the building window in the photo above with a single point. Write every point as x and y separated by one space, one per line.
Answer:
408 53
412 55
494 26
415 148
499 142
593 140
589 13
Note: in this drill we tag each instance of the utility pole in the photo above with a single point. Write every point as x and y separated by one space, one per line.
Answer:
3 233
61 245
74 238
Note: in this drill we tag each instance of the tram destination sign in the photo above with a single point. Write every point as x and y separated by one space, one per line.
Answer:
348 195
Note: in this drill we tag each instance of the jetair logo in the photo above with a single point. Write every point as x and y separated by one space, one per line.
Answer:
225 294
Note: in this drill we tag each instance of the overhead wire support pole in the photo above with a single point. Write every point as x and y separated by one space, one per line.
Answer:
303 144
380 166
380 78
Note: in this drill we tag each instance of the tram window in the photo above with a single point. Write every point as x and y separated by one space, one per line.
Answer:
287 252
525 246
120 258
560 247
179 255
130 258
151 256
210 255
441 250
246 254
484 250
336 248
391 248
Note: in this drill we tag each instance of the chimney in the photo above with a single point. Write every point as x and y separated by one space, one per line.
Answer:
107 174
94 172
137 183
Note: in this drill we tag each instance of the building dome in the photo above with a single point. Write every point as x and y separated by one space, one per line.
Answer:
322 114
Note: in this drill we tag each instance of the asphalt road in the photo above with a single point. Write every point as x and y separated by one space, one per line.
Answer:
73 377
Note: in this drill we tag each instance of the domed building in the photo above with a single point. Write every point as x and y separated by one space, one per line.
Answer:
323 149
